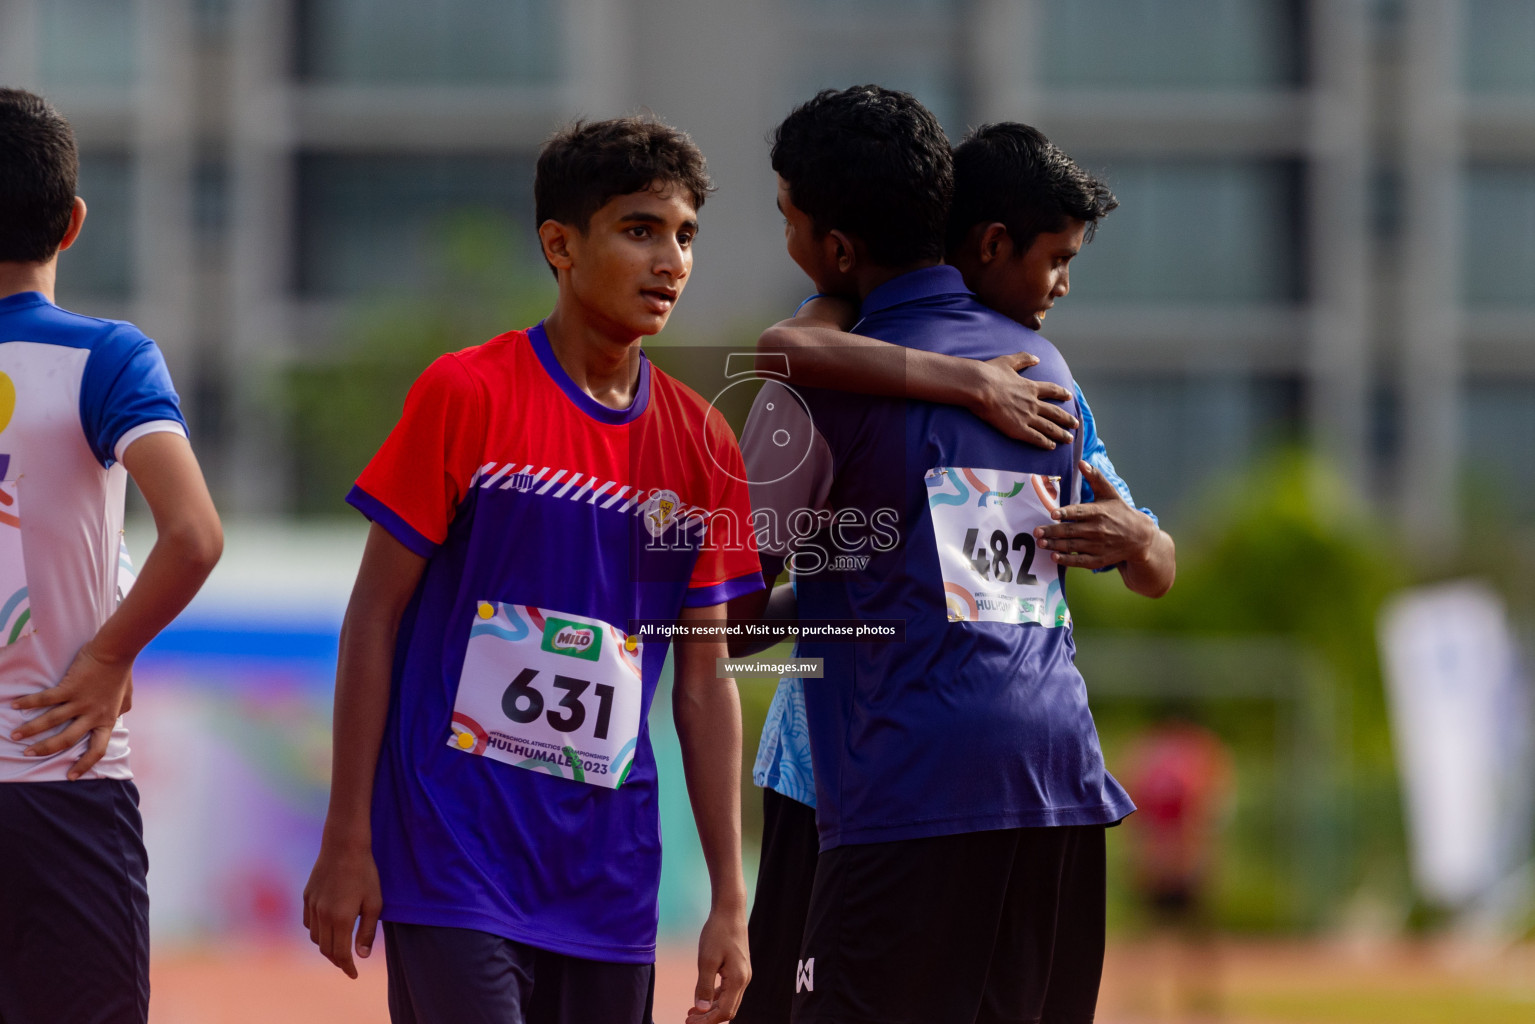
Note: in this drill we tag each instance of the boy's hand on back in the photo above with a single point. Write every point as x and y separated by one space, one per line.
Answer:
1099 533
90 697
1019 407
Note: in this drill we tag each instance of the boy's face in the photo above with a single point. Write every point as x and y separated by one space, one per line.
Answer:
628 269
816 255
1023 286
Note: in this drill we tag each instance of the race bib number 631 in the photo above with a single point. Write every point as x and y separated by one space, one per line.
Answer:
983 526
549 691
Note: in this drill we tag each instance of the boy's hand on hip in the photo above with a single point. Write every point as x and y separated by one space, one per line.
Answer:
1099 533
724 967
1019 407
343 887
88 700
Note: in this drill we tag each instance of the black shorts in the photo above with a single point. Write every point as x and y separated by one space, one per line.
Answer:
1000 927
784 881
463 976
74 907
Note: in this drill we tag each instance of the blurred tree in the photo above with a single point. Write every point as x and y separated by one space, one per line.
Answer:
1279 551
342 401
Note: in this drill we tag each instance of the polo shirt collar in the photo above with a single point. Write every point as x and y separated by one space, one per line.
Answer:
21 300
918 284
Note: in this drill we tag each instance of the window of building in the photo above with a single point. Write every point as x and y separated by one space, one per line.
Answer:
1195 231
1145 420
439 42
87 43
882 6
371 224
1171 44
1498 243
100 264
1499 37
1499 418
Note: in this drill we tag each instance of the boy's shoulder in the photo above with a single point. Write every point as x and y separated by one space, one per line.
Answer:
30 317
491 357
687 407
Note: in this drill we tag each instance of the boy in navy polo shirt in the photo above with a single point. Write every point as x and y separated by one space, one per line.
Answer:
493 798
957 770
1022 211
84 404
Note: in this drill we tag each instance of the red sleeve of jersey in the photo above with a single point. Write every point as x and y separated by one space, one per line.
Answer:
415 483
727 564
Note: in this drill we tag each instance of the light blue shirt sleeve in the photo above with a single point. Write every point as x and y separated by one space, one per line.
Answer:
1096 455
783 754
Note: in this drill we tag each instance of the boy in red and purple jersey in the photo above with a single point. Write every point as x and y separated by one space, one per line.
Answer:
494 791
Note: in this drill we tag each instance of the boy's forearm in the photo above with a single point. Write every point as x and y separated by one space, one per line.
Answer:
820 356
361 708
707 711
1152 576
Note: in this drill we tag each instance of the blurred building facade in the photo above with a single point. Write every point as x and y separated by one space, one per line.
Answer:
1327 231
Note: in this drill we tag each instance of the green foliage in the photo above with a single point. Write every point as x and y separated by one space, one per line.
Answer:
1283 554
342 402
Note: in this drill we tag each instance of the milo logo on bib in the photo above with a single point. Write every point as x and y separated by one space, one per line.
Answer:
573 639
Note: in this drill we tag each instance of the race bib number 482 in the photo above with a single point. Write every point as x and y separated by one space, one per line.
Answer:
983 526
550 692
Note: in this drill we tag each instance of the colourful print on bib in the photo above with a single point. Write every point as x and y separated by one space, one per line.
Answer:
983 527
549 691
15 605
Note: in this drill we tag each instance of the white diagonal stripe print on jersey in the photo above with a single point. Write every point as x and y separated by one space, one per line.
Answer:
474 481
568 485
552 481
508 481
616 495
598 492
490 481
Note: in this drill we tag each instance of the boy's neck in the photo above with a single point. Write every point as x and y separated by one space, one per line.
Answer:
870 277
16 278
602 363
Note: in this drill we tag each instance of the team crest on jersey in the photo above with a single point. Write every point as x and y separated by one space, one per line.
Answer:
522 482
661 511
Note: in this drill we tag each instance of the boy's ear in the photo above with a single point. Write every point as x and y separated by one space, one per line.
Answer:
555 238
841 251
76 221
995 243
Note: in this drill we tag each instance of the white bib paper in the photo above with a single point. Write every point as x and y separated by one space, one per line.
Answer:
550 692
983 527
